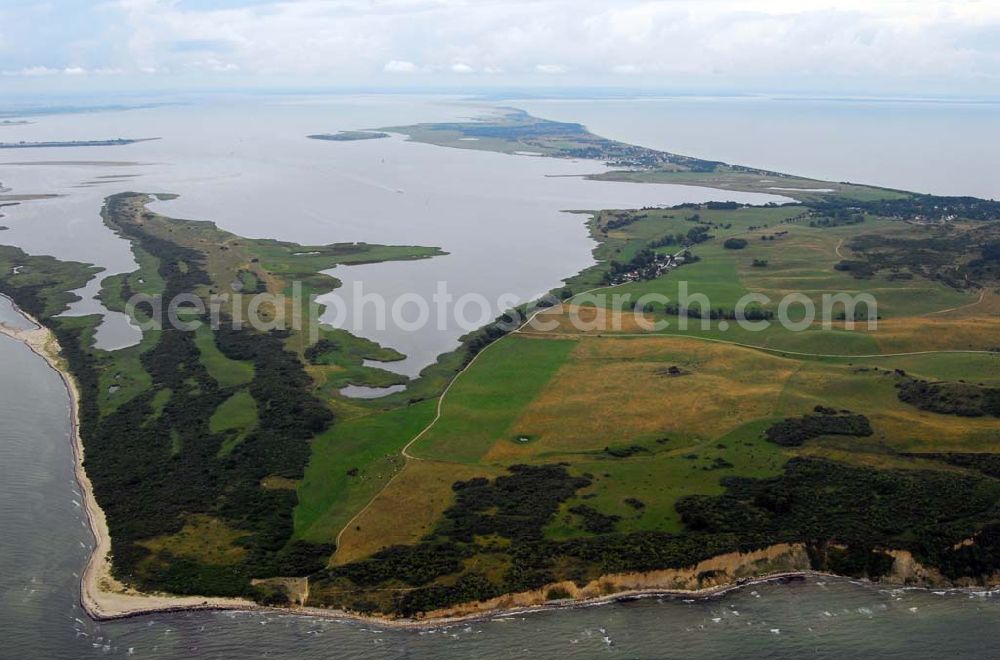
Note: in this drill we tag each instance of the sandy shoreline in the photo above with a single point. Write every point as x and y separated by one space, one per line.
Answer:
101 596
104 598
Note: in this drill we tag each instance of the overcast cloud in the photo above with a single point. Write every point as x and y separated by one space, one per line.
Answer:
874 46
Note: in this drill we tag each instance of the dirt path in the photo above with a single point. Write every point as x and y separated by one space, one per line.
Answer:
405 452
767 349
407 456
982 297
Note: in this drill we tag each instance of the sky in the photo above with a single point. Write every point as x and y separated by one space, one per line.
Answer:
872 47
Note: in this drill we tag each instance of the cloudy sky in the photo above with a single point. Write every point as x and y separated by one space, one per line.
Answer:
847 46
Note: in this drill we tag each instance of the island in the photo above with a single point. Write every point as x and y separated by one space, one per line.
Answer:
348 136
665 448
73 143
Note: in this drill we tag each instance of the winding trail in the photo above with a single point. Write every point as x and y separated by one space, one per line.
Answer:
405 452
768 349
836 250
982 297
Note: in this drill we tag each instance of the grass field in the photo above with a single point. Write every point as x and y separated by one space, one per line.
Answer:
330 494
653 417
406 510
486 401
576 445
691 429
618 392
679 467
647 417
238 416
801 261
914 314
228 373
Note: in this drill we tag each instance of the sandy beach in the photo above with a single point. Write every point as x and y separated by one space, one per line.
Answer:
105 598
101 595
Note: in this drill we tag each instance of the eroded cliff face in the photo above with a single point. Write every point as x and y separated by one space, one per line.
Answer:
907 571
709 576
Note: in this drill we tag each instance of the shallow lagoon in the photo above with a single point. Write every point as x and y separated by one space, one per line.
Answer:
248 166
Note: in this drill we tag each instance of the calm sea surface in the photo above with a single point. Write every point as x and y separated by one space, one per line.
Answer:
251 171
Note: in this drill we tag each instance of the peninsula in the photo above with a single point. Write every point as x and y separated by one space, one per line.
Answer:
550 464
348 136
73 143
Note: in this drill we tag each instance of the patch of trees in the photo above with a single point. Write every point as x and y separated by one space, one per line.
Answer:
623 219
926 512
956 256
594 521
718 463
557 593
468 587
848 517
713 206
839 218
516 506
861 270
316 353
477 340
987 266
794 431
948 398
719 313
625 452
980 558
991 251
915 207
734 243
855 560
415 565
697 235
666 241
148 487
759 263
